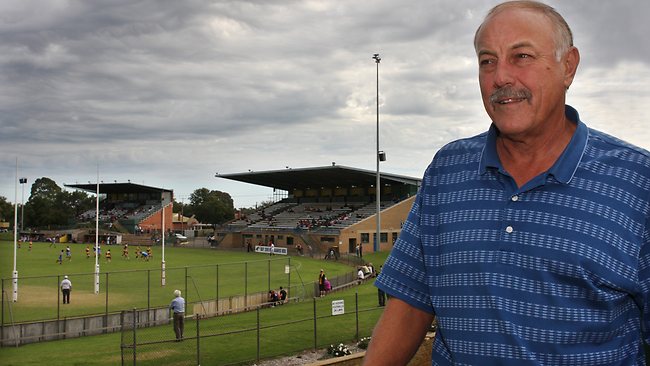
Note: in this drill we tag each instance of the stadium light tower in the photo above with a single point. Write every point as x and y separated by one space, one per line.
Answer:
162 233
380 157
97 237
14 279
22 204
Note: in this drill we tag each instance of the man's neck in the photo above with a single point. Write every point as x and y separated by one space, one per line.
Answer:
526 157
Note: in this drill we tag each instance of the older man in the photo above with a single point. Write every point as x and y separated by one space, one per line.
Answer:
531 242
177 306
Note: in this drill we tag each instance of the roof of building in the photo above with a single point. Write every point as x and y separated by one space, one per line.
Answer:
317 177
109 188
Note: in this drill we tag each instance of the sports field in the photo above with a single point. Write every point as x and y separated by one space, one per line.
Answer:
39 274
135 283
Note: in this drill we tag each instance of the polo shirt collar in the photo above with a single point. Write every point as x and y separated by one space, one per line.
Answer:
565 166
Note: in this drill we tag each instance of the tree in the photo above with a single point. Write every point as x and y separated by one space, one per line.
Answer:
6 210
49 205
211 207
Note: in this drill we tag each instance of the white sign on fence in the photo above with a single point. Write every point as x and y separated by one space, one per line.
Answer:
287 269
267 250
338 307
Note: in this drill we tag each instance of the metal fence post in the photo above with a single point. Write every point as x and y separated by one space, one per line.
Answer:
315 332
187 295
58 300
122 336
289 275
198 340
2 328
257 358
134 334
148 289
106 311
356 312
268 270
217 282
246 284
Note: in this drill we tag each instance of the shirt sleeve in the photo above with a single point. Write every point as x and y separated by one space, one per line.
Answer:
404 275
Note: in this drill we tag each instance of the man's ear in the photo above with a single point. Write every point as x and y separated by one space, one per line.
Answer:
571 61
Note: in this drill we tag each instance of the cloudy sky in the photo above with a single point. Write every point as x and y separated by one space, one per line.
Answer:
168 93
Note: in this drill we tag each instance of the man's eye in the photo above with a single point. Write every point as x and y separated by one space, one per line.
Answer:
523 55
486 62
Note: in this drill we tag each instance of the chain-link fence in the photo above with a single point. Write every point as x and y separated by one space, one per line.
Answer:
215 288
267 331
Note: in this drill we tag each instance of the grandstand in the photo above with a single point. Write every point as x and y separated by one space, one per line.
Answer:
322 208
128 212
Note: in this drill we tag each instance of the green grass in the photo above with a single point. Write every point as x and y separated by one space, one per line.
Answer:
276 337
199 273
208 272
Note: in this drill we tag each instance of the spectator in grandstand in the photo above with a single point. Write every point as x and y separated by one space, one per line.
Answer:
60 260
177 307
321 282
66 287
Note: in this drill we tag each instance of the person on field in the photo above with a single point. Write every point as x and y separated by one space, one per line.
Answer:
530 242
177 307
60 259
66 287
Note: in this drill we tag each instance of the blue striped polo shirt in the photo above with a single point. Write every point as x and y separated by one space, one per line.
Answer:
556 272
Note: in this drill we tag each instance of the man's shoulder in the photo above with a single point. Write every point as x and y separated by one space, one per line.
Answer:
602 146
462 151
473 143
608 142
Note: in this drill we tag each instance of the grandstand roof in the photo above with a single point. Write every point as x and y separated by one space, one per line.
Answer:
108 188
327 176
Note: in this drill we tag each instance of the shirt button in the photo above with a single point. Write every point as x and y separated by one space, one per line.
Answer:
514 198
509 229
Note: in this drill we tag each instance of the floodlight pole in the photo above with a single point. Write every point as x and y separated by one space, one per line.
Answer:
97 237
22 204
162 231
15 272
378 183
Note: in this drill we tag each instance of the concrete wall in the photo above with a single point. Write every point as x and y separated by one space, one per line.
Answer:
392 219
48 330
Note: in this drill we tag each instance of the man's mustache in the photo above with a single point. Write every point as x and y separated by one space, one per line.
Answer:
509 92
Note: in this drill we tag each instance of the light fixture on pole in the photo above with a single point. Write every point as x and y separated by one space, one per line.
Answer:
22 204
379 158
14 279
162 233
